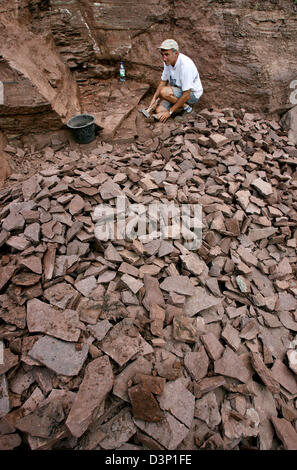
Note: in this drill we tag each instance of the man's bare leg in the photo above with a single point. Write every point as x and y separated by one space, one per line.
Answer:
167 95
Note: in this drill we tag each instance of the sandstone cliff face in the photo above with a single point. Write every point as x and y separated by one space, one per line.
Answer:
245 50
39 91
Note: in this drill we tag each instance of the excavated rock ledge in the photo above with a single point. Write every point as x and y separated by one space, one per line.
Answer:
245 50
142 344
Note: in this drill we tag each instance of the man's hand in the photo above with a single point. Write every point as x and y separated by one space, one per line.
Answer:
153 103
164 116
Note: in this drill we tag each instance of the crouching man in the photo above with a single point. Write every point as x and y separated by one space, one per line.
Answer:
180 85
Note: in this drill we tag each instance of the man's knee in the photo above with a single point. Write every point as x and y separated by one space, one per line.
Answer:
165 92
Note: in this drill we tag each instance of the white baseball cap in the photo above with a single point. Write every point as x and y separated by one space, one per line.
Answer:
169 44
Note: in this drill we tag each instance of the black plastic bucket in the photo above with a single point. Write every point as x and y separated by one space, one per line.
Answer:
83 128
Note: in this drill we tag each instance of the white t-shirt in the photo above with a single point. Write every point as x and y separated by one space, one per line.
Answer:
183 75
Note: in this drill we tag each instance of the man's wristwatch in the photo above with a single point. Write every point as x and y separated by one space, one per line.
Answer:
170 112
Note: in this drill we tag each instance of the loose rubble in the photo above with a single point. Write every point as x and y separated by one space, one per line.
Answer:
143 342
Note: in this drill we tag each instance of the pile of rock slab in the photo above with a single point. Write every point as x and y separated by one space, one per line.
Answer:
142 343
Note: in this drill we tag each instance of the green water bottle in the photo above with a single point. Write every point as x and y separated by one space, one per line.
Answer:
122 73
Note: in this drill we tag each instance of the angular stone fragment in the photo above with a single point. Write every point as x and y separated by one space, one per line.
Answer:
123 342
169 432
232 225
231 336
43 420
100 329
3 237
285 432
49 261
13 313
194 264
157 316
207 410
63 324
10 441
21 381
180 284
110 190
260 233
4 397
262 186
203 140
118 430
111 254
271 320
197 363
231 365
153 293
33 263
26 279
8 359
185 329
106 277
208 384
281 269
14 221
76 205
86 285
30 187
144 404
177 399
44 377
60 294
133 284
200 300
287 319
128 269
59 356
150 269
243 198
51 228
265 405
217 140
151 382
18 242
264 373
32 233
236 426
121 380
292 358
89 310
212 345
247 256
96 384
165 248
287 301
167 365
284 376
73 230
6 273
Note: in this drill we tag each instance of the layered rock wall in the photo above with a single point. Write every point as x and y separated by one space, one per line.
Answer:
38 89
245 50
